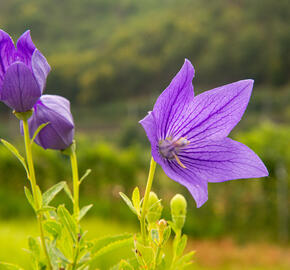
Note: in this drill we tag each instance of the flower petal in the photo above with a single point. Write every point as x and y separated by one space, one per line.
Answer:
173 103
59 105
149 124
214 113
222 160
40 68
25 48
20 90
7 53
187 177
59 133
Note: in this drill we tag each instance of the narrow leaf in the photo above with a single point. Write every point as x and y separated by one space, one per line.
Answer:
88 171
38 130
117 245
9 266
68 221
52 227
45 209
68 192
49 195
136 199
84 211
15 152
128 202
106 240
29 197
185 260
39 196
34 247
181 245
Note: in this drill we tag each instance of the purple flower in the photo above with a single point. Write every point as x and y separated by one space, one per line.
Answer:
188 134
23 72
54 110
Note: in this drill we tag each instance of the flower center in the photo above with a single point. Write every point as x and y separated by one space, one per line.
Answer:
169 148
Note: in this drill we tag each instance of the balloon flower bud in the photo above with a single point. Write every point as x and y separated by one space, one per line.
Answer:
178 210
154 208
23 72
58 134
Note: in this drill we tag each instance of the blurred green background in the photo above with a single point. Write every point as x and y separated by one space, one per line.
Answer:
112 59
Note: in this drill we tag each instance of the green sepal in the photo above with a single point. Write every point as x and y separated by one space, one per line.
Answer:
29 197
9 266
88 171
128 202
49 195
68 221
84 211
37 131
16 153
23 115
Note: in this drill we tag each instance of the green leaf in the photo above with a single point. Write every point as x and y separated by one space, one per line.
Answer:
124 265
166 234
38 130
144 254
128 202
49 195
181 245
53 228
45 209
117 245
39 196
9 266
34 247
106 240
29 197
88 171
136 199
185 260
15 152
84 211
68 221
68 192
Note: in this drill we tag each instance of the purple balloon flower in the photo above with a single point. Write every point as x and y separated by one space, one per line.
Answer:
54 110
23 72
188 134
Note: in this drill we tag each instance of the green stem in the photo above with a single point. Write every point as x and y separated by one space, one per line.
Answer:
76 183
32 179
146 197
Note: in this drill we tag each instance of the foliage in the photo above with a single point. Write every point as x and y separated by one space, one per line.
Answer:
99 42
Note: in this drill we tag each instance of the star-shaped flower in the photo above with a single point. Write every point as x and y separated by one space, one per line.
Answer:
188 134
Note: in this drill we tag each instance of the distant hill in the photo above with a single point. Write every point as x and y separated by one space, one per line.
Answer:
103 50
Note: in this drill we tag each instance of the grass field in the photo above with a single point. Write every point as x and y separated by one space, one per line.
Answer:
223 254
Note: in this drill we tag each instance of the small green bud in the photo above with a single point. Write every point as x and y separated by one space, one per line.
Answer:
154 208
178 210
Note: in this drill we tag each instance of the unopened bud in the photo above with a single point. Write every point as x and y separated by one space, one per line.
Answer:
178 210
154 208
